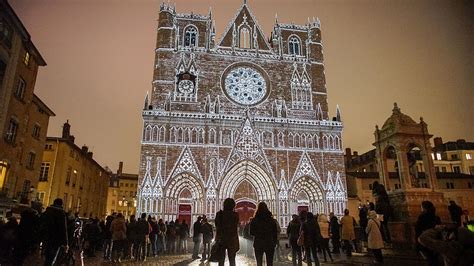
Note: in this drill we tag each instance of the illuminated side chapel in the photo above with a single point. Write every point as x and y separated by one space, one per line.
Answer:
243 117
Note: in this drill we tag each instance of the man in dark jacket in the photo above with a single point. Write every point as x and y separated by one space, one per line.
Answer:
456 212
312 238
197 237
108 237
293 232
143 230
53 230
334 231
207 236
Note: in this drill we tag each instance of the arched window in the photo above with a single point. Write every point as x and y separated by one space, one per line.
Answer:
244 38
294 46
190 36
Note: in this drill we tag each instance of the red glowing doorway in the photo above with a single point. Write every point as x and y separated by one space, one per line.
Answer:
246 210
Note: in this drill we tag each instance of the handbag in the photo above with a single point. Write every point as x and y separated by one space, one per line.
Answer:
300 240
217 249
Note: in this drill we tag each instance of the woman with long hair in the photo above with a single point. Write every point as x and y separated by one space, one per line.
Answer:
323 223
265 232
227 222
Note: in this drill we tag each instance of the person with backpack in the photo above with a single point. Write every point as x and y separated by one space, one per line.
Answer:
53 228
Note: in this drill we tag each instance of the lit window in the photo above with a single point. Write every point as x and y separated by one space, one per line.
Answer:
26 59
294 46
190 36
432 156
44 172
438 156
120 203
20 89
468 156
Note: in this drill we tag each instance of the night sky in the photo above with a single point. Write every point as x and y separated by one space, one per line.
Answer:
100 63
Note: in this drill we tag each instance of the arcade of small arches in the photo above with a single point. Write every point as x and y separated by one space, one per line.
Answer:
186 196
198 135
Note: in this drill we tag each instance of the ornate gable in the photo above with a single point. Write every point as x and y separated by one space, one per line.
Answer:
248 147
236 32
146 186
305 168
186 164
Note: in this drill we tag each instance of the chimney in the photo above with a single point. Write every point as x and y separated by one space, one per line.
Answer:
356 153
460 141
72 138
66 130
119 171
90 154
438 141
348 152
85 149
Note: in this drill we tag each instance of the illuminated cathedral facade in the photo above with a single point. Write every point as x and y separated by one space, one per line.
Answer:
241 116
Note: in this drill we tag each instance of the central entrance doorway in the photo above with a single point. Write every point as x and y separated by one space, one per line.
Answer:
246 210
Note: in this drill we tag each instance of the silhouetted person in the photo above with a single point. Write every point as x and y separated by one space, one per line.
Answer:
53 229
348 234
312 238
293 232
143 230
334 232
227 223
207 236
456 212
197 237
427 220
265 232
118 228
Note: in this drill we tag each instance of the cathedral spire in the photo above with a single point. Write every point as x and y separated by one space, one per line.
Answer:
145 107
338 113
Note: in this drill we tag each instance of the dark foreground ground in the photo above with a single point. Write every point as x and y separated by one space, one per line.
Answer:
391 257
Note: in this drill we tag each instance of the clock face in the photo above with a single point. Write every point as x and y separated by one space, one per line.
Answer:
245 85
185 86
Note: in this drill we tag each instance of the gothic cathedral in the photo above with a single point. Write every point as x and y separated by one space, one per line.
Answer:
239 116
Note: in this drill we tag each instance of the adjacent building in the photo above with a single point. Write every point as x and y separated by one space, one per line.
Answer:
122 193
241 116
71 173
24 117
452 163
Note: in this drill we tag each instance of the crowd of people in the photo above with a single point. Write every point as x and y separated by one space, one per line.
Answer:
310 236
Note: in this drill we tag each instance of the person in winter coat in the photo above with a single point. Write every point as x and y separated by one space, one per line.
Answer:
161 236
426 220
293 232
196 237
131 235
153 235
455 212
324 227
118 228
108 237
454 244
207 236
53 230
312 238
171 237
374 236
143 230
183 236
334 232
27 233
227 223
348 234
265 232
363 221
91 234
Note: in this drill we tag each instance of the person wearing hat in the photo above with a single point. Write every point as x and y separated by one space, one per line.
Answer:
374 236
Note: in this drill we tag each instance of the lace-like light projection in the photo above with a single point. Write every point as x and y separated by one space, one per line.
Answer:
245 85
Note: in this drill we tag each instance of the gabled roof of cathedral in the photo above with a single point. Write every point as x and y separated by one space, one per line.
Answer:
243 14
